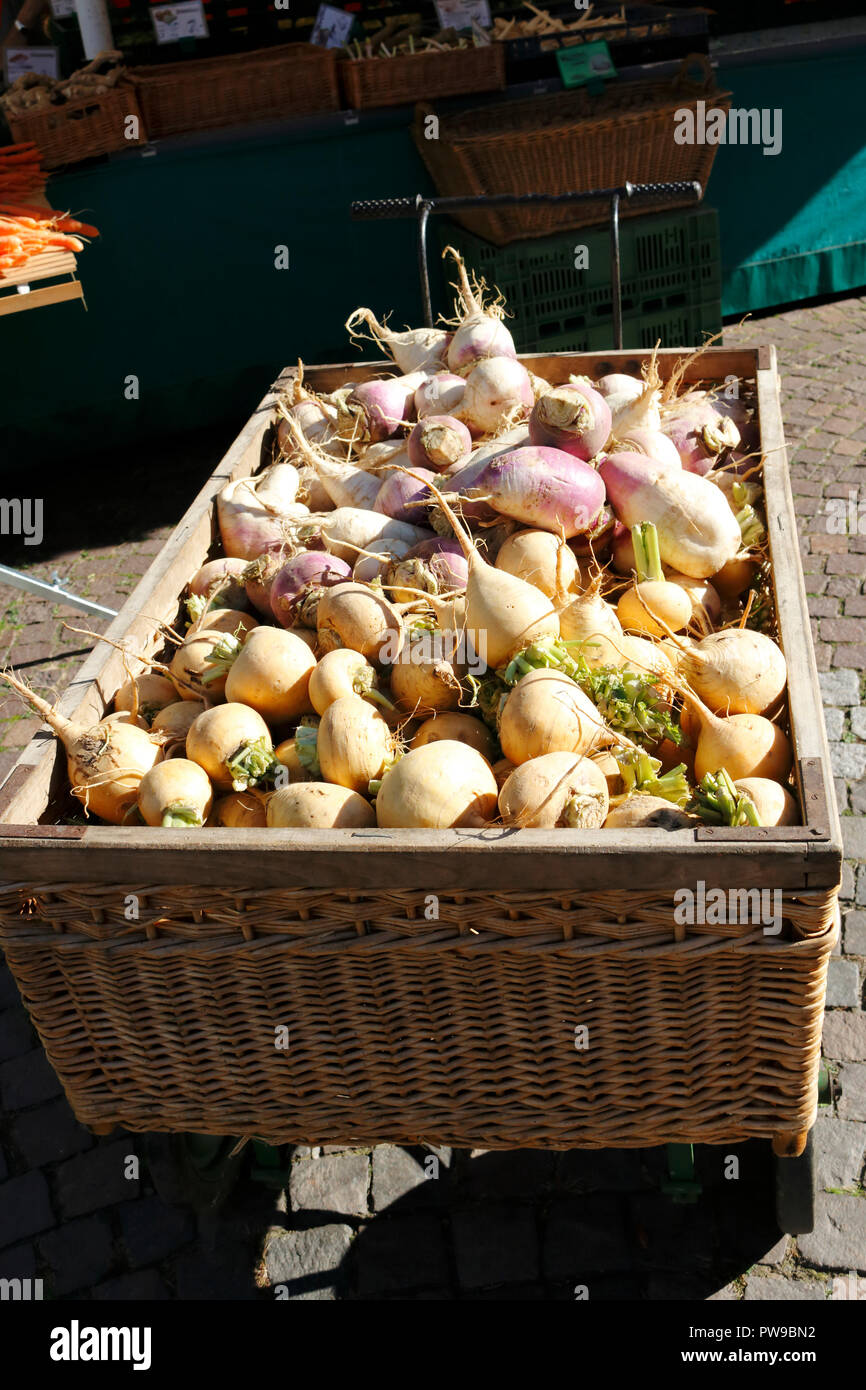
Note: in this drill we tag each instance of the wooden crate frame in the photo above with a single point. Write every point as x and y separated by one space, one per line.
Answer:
799 857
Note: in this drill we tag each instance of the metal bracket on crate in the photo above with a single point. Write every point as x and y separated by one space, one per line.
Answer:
421 208
54 590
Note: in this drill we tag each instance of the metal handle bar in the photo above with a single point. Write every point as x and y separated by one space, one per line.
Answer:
421 208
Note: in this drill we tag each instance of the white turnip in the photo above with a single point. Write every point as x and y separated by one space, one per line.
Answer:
295 592
233 745
547 712
542 559
354 743
440 786
438 442
498 394
439 395
555 790
145 695
253 511
318 806
352 615
573 418
175 794
271 674
415 350
241 811
457 728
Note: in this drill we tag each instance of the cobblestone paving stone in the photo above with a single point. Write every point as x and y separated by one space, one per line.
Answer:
391 1223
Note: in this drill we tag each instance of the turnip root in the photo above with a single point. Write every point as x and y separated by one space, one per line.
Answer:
404 495
315 419
351 615
652 605
698 431
196 667
252 511
573 418
415 350
354 744
705 601
548 713
439 395
423 680
375 410
587 619
311 490
457 728
590 546
232 620
555 790
340 673
502 770
633 403
175 721
241 811
647 813
434 567
300 755
219 580
346 484
736 576
271 674
438 442
175 794
543 488
542 559
145 695
233 745
744 745
318 806
378 559
498 393
440 786
774 804
348 530
735 671
296 590
481 332
259 575
105 762
503 613
657 446
125 716
697 532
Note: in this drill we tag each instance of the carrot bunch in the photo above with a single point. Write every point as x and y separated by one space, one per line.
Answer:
28 227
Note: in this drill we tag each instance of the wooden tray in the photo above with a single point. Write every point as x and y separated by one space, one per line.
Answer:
807 856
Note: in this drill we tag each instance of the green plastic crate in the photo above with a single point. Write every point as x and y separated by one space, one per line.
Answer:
670 276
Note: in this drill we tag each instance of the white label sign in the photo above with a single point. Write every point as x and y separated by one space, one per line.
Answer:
461 14
332 27
62 9
41 60
182 21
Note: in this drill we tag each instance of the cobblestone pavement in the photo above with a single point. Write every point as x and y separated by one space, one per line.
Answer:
399 1223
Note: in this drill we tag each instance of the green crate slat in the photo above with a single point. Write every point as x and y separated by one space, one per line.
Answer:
677 328
671 262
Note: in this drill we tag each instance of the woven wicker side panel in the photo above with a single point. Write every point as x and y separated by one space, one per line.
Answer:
228 91
80 129
418 1041
369 82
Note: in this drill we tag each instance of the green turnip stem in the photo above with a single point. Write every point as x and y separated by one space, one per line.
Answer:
180 815
751 526
221 658
253 764
306 747
719 802
640 774
648 561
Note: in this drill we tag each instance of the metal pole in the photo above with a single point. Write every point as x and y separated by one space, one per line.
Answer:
615 272
55 590
424 208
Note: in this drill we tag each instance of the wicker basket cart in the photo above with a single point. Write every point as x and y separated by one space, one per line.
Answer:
496 988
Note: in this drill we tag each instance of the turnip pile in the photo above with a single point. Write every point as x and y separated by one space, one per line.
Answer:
460 596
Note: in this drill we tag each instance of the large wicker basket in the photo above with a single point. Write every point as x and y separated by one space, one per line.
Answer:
268 83
83 128
567 143
399 81
493 988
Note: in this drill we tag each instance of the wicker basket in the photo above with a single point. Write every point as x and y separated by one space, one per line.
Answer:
567 143
431 982
81 129
455 1031
268 83
397 81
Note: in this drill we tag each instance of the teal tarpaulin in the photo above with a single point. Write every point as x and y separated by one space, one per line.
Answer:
793 225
